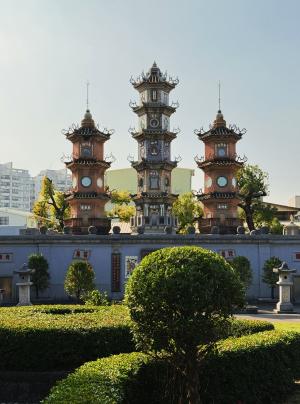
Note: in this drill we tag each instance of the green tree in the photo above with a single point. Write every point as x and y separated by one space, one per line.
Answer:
121 207
269 277
241 266
276 227
51 208
40 277
180 298
252 184
187 210
79 279
263 214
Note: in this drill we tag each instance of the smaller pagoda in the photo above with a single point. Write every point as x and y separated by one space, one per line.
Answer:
88 195
220 164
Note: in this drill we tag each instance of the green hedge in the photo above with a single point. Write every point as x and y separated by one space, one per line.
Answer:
61 337
240 327
257 368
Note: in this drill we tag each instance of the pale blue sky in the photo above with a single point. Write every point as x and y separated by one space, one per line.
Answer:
49 48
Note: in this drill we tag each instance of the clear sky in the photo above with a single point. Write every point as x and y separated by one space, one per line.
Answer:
50 48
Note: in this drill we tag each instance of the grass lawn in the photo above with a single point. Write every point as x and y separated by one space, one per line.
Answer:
287 325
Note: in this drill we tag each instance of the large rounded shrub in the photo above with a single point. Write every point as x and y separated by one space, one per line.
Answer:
180 298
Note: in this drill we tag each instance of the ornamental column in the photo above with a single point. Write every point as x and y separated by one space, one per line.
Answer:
154 197
88 195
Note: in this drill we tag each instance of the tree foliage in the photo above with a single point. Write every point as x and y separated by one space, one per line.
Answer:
121 207
40 277
187 209
253 184
241 266
79 279
51 208
270 277
180 298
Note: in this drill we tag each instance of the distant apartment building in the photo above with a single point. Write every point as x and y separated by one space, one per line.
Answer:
294 201
16 188
61 179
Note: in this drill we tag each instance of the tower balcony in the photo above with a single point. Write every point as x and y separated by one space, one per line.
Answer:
80 225
224 225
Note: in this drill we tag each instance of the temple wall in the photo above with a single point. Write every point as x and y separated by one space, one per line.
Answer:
61 250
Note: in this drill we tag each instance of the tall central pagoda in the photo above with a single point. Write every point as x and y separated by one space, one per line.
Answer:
154 198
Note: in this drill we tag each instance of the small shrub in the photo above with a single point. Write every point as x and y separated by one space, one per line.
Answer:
96 298
40 277
270 277
79 279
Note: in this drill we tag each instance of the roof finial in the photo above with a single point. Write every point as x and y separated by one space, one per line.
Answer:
87 95
219 85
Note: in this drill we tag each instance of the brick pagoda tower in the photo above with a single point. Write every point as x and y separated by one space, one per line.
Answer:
88 195
220 165
154 166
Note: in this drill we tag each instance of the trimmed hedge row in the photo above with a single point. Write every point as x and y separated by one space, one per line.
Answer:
257 368
61 337
239 327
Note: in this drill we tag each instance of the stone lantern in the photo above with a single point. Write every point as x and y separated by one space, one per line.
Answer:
24 285
285 283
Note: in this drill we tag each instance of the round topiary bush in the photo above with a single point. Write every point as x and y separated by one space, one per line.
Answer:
180 298
79 279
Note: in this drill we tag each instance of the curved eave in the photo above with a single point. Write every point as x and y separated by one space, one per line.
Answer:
97 135
218 163
89 163
143 109
215 135
140 86
146 164
152 133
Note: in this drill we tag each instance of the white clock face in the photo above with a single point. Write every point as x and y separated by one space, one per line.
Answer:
99 182
86 181
74 182
222 181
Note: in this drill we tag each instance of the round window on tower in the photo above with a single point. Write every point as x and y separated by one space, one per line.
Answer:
86 181
222 181
154 123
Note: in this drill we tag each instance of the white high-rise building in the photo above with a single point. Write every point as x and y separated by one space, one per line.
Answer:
16 188
62 180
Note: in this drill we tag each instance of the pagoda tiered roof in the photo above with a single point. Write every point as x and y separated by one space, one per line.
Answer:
154 76
86 130
219 129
